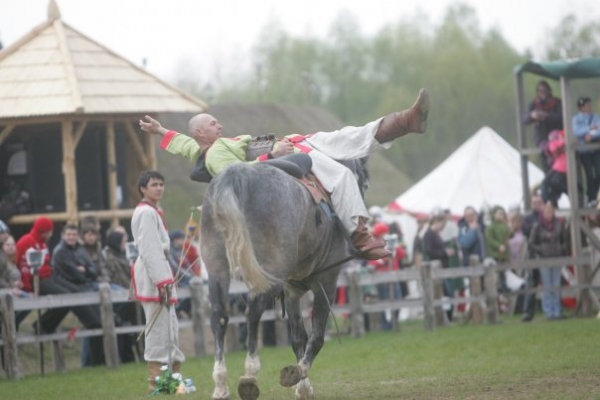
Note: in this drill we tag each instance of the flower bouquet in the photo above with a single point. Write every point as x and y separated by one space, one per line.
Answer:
172 383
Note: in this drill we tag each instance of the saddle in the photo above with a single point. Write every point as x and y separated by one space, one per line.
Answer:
299 166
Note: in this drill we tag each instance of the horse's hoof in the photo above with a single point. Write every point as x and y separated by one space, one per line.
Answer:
290 375
248 388
221 395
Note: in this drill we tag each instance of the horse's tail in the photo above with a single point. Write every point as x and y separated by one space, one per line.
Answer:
227 193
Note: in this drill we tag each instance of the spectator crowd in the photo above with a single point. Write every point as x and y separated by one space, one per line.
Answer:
78 263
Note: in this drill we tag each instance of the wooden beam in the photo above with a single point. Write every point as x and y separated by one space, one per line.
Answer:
111 159
522 139
103 215
151 151
137 145
69 171
69 67
590 235
79 133
6 131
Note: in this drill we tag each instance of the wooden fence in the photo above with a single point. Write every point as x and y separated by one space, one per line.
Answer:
483 306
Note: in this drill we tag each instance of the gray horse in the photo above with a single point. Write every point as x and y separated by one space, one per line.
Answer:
262 225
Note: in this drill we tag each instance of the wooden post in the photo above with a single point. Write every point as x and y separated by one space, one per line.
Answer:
427 287
438 293
111 165
491 294
476 310
9 333
522 139
111 350
58 355
69 171
196 293
355 299
151 151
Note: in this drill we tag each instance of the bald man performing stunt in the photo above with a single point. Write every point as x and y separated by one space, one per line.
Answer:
213 153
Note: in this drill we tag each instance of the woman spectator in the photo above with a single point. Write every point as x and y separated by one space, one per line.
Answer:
471 236
10 276
549 238
545 113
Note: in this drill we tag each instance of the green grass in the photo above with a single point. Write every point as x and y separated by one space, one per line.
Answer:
539 360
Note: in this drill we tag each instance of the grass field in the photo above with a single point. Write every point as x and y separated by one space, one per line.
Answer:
512 360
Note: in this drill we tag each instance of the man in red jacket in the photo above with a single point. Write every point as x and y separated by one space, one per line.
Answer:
37 239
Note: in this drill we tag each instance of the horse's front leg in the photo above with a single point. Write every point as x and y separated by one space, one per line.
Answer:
247 384
218 291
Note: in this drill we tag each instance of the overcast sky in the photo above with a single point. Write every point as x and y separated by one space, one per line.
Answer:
205 33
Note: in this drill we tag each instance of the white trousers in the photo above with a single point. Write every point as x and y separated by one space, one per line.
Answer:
345 144
157 340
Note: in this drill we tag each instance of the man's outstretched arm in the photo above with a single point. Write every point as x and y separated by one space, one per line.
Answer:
173 142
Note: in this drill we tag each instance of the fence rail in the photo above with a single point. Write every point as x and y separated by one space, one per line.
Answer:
483 303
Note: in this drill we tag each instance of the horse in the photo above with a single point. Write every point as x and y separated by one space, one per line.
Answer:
261 224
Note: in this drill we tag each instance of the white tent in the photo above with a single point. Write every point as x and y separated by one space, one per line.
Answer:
483 171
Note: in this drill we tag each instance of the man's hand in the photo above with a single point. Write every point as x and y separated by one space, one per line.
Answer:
164 294
152 126
282 148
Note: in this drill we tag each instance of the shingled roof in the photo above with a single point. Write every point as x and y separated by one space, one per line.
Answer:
55 69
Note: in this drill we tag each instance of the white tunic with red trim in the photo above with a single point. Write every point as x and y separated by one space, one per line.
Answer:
151 270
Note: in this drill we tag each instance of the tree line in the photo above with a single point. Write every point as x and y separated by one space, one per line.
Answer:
359 77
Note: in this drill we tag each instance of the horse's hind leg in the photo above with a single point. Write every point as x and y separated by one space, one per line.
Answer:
292 374
218 292
323 296
295 374
247 385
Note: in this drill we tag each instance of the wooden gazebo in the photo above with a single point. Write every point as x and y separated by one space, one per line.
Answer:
68 123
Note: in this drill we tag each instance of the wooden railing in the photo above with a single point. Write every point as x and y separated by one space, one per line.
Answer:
483 303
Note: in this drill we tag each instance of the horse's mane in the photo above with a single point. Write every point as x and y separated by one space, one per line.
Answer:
359 167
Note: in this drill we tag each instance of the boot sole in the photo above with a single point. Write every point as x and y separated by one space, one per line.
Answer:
423 104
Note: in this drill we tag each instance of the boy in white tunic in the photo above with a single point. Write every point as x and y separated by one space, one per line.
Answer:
152 279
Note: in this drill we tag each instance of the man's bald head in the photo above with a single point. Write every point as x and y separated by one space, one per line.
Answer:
205 129
198 122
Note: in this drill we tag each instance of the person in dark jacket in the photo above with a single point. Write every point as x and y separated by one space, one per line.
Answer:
545 113
71 262
118 268
76 271
549 238
434 248
532 276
